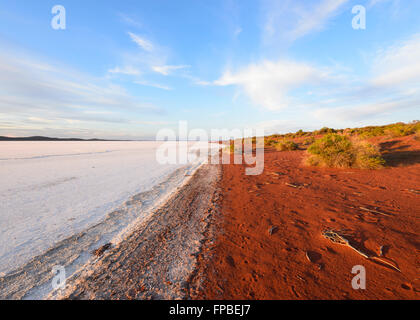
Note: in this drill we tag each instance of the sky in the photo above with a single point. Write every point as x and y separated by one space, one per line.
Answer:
126 69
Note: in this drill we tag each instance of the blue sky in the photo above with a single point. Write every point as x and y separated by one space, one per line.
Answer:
125 69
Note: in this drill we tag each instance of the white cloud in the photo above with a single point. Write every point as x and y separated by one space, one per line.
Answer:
152 123
166 70
335 93
393 85
125 70
130 20
276 126
141 42
152 84
60 96
237 32
316 19
293 19
398 65
365 110
152 59
375 2
268 83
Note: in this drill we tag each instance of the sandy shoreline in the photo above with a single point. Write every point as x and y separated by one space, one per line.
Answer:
33 280
271 244
158 259
226 235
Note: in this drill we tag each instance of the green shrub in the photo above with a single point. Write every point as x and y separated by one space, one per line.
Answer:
232 148
324 130
401 129
367 156
331 150
268 142
308 141
371 132
235 146
285 145
300 133
334 150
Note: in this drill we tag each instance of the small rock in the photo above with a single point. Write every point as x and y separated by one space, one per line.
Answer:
272 230
230 261
100 251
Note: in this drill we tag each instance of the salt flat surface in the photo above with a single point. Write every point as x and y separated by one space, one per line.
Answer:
52 190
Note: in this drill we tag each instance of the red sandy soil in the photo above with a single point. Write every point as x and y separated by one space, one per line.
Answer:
246 262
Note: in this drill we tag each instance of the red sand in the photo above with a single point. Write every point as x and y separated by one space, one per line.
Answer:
249 263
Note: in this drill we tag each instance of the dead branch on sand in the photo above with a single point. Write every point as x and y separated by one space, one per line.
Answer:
292 185
374 211
336 237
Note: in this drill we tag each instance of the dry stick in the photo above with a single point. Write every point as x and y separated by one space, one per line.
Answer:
292 185
374 211
386 262
413 191
338 238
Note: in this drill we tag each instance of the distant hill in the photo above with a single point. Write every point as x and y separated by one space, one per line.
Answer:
40 138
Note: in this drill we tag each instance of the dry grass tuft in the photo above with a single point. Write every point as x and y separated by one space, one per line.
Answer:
285 145
338 151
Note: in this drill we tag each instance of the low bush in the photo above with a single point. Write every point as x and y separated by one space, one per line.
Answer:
308 141
269 142
324 130
401 129
285 145
371 131
338 151
235 146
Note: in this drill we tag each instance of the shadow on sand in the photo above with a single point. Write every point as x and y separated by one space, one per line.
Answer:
402 158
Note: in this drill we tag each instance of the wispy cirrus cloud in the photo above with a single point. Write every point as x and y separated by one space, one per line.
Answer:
140 61
151 60
292 19
152 84
141 42
333 93
398 64
365 111
166 69
269 83
392 85
35 94
127 70
372 3
140 66
129 20
276 126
